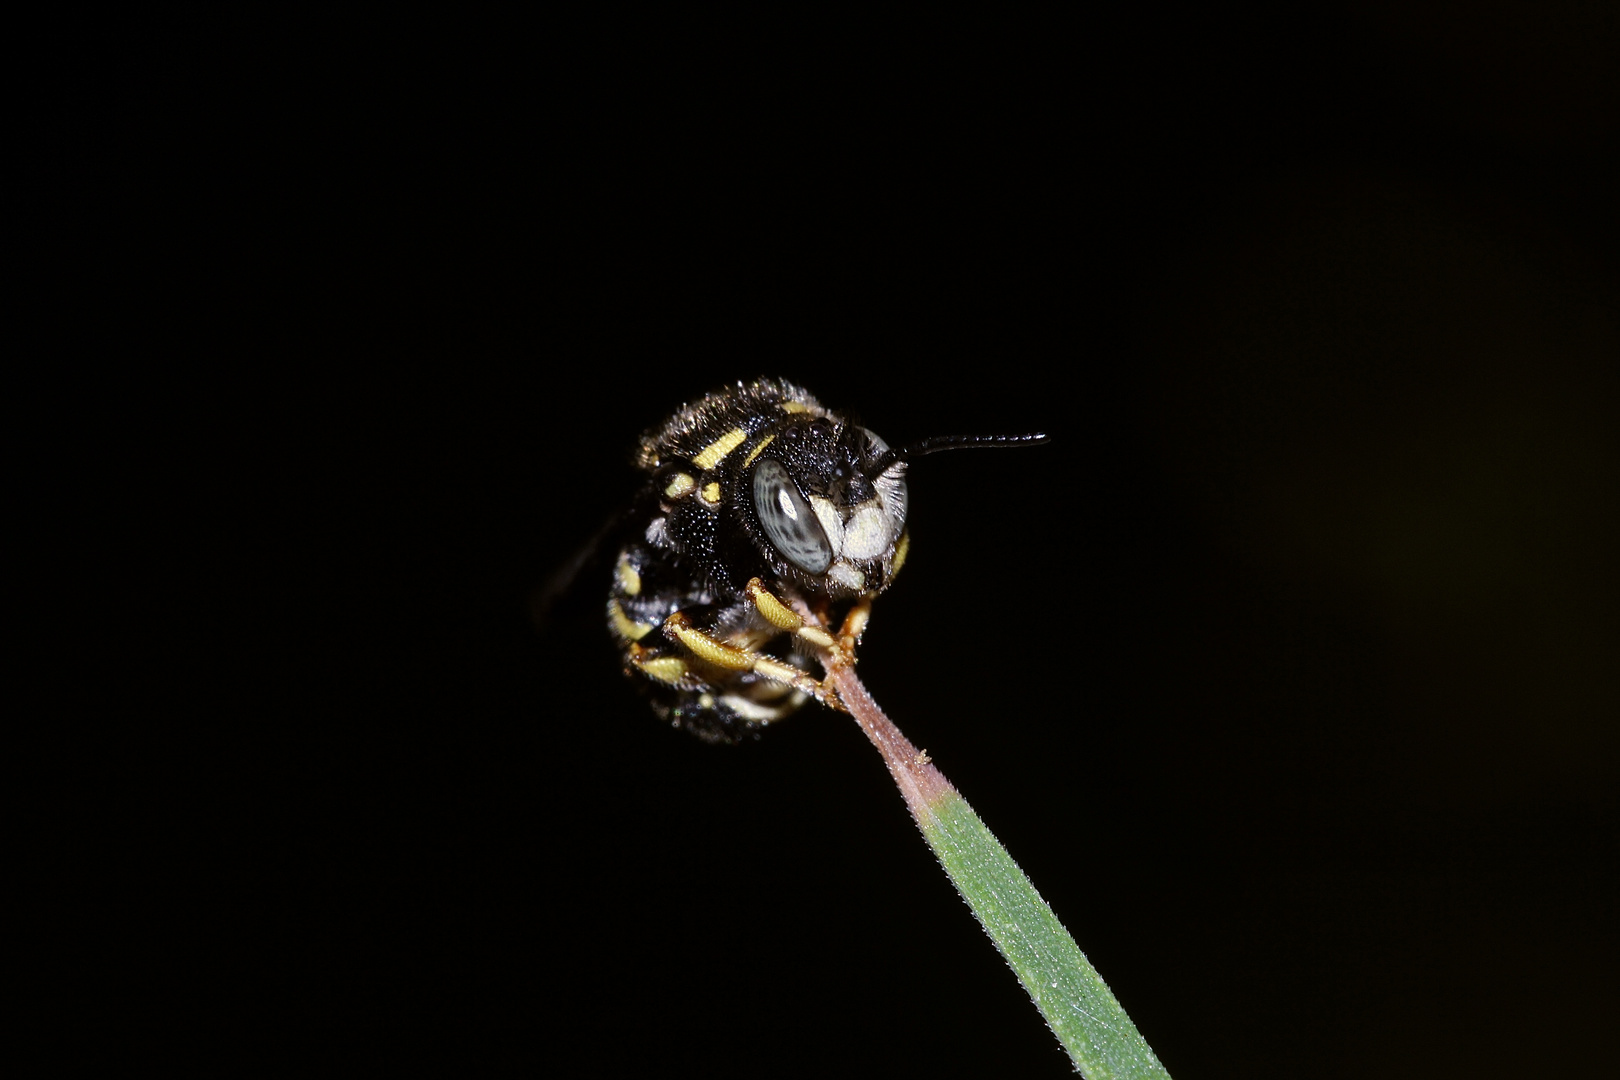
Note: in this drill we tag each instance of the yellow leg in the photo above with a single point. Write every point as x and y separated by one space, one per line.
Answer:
781 616
706 648
854 626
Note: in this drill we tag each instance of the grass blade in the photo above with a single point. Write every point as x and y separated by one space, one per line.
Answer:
1078 1006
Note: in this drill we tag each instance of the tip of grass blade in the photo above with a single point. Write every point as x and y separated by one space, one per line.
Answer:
921 783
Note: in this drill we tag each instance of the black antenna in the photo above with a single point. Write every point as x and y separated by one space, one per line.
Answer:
924 447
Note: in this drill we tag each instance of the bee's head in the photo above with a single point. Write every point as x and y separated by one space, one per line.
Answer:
829 502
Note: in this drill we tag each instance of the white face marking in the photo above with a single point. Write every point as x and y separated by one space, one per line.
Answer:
846 575
831 523
868 533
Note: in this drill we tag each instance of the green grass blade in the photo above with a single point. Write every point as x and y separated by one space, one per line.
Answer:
1078 1006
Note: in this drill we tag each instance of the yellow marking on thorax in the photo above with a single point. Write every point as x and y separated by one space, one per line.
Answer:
711 493
679 485
754 453
716 451
795 406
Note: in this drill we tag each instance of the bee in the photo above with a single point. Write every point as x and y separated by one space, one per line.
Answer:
765 527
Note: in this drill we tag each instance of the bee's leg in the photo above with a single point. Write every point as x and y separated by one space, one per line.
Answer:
663 667
841 648
783 617
835 652
710 650
855 625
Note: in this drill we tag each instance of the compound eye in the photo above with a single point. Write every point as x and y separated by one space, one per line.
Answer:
787 520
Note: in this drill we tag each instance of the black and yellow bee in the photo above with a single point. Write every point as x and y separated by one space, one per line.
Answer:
766 526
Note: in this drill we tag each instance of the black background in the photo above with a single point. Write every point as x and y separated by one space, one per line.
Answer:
1288 672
